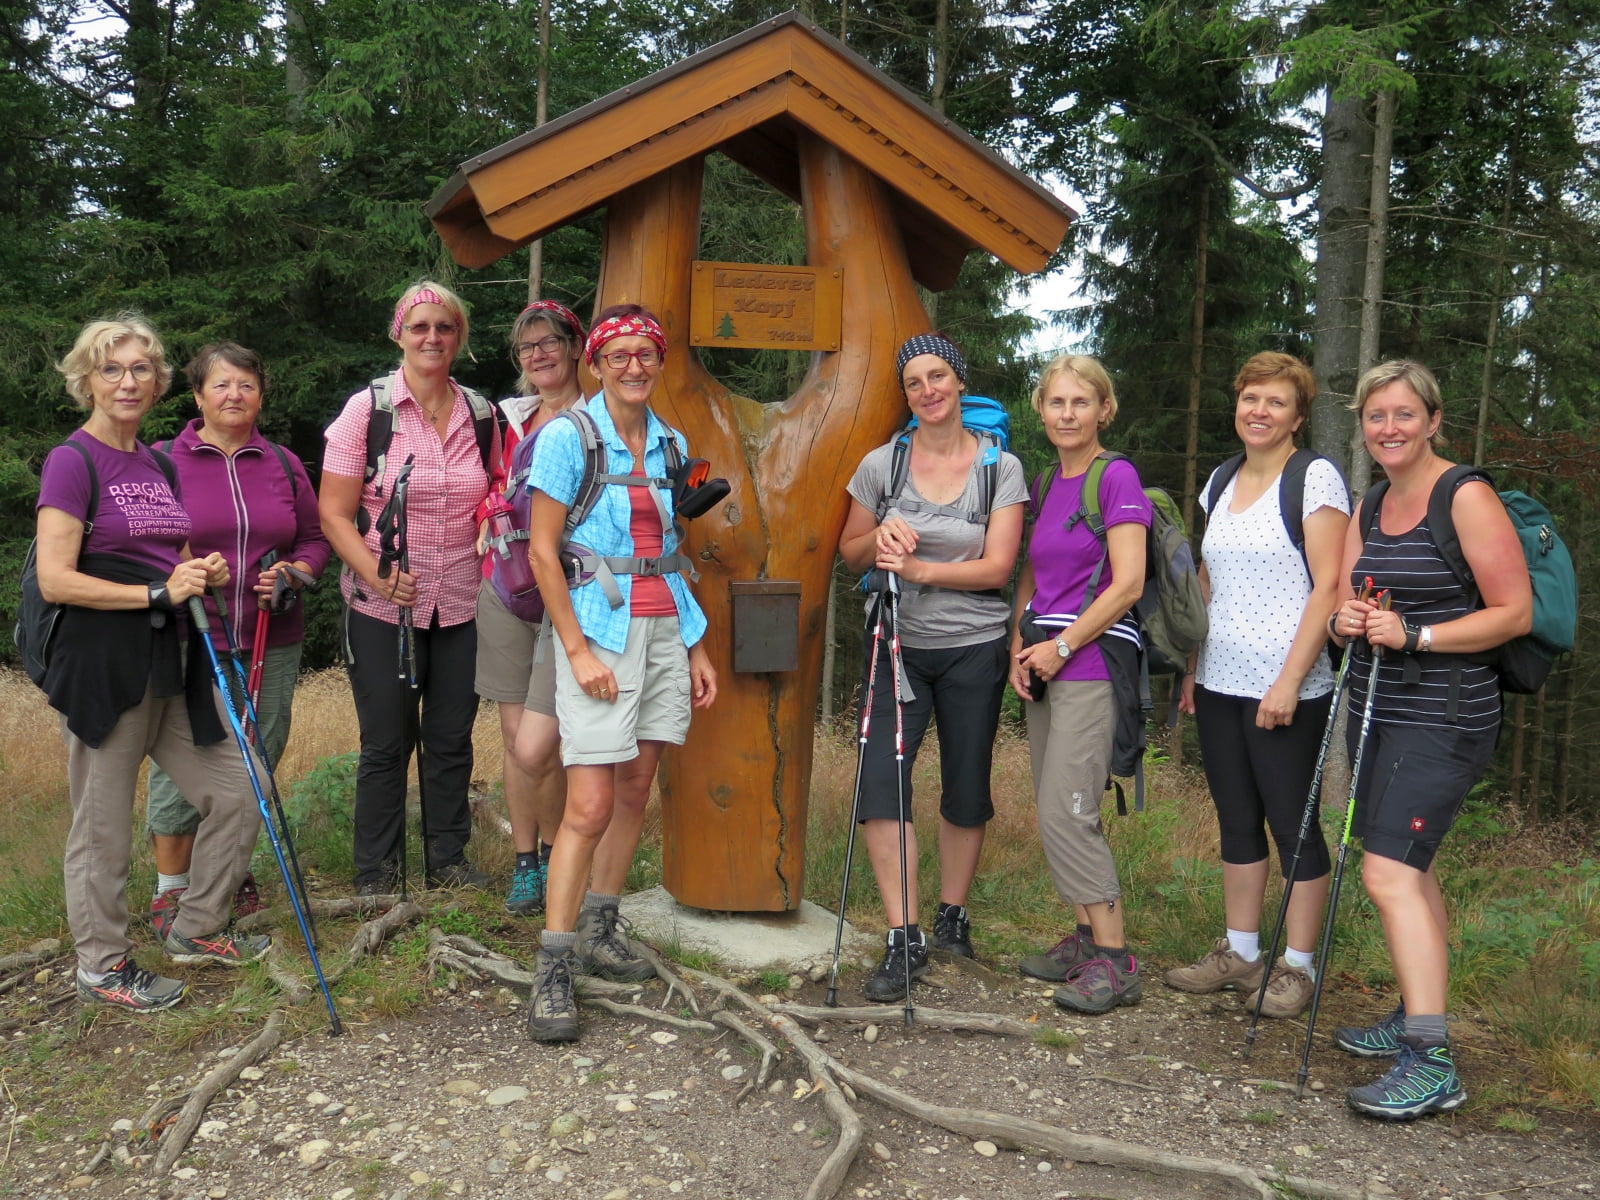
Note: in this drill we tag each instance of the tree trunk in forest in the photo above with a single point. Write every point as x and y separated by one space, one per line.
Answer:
541 112
1536 752
1191 444
1480 440
1372 278
295 44
1340 267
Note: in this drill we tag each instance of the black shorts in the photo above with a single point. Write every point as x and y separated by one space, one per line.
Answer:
1413 780
960 688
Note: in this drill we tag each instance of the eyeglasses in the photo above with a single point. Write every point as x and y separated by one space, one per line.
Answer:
618 360
112 372
546 345
442 328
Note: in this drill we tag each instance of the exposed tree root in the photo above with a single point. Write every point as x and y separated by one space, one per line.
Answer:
37 954
693 1024
370 937
176 1139
932 1018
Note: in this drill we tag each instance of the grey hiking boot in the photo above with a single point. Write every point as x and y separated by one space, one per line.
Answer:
1220 968
603 947
553 1006
130 987
1056 963
888 982
1100 985
1373 1041
1289 992
1423 1080
225 947
952 931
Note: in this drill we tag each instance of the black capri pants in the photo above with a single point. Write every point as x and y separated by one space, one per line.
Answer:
1262 777
960 688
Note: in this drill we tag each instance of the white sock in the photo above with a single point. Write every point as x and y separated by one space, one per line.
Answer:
92 978
165 883
1303 959
1246 945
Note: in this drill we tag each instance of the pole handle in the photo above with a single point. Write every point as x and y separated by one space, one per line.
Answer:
197 613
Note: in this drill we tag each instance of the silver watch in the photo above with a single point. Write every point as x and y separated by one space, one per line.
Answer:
1064 650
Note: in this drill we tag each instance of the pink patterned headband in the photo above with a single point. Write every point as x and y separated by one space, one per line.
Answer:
561 311
635 326
423 296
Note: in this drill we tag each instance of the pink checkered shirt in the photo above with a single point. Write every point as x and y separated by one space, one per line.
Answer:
447 485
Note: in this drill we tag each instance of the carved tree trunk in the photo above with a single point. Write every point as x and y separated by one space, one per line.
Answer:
734 798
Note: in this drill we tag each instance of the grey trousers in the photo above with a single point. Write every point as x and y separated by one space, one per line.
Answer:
1070 733
99 844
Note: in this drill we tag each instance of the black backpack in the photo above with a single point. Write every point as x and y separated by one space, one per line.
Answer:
37 618
1291 492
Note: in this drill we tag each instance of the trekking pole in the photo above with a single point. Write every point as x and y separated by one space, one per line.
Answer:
197 612
892 598
1384 601
252 715
258 648
832 998
394 551
1307 820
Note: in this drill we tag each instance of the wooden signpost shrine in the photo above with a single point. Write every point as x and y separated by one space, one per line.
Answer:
892 195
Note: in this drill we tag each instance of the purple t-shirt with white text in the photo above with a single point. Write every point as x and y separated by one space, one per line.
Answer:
138 517
1064 559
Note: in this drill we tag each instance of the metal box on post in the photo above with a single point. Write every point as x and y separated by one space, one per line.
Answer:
766 624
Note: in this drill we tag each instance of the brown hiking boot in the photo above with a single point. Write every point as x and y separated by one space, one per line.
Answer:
1288 991
1220 968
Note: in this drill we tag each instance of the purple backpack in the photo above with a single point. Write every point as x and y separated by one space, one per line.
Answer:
529 606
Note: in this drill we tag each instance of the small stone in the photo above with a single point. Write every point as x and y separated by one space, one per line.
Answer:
343 1194
211 1131
461 1087
881 1151
121 1126
1045 1167
930 1149
317 1099
777 1087
817 973
987 1149
1318 1086
1072 1060
663 1094
627 1106
870 1034
620 1193
313 1151
185 1173
333 1109
796 982
216 1193
898 1072
798 1127
568 1124
252 1073
420 1177
663 1038
1302 1151
556 1175
503 1096
496 1166
581 1063
822 1035
83 1181
732 1073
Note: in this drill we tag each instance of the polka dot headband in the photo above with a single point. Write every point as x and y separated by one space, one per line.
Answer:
615 327
560 312
423 296
931 343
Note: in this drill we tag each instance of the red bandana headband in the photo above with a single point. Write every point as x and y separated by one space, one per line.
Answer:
423 296
574 326
615 327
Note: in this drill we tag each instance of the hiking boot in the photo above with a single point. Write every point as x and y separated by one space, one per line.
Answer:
1423 1080
247 899
1288 991
1373 1041
603 947
130 987
952 931
458 875
1056 963
385 881
229 949
888 982
1220 968
553 1006
1099 985
164 911
527 890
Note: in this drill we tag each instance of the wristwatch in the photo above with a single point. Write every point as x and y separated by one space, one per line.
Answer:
159 598
1064 650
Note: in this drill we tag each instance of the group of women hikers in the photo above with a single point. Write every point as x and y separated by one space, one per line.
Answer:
588 697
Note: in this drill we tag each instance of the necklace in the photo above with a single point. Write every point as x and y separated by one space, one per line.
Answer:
432 413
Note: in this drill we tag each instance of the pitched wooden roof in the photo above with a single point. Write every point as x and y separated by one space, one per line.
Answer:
750 97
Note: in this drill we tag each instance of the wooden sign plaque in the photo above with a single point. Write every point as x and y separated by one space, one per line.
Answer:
758 307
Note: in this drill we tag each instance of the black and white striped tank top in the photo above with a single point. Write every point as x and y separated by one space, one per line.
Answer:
1425 590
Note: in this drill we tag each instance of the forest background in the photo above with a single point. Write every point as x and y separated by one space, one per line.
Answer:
1344 181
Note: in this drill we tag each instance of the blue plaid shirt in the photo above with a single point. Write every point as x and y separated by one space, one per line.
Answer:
557 469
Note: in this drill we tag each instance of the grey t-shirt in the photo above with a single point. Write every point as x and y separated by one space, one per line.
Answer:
937 617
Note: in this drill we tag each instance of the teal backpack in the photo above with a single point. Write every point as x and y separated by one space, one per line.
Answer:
1524 662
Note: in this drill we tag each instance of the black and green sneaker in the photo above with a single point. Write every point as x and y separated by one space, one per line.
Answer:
1423 1080
1373 1041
